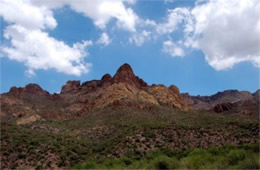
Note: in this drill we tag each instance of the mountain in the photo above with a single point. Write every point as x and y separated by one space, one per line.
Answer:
121 122
230 100
32 103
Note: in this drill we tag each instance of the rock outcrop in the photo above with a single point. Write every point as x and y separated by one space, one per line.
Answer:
123 89
167 96
125 74
227 101
70 87
223 107
33 89
28 119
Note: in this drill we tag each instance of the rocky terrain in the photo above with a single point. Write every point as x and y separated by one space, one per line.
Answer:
122 122
32 103
227 101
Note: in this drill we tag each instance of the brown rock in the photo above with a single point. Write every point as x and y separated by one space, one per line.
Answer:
125 74
90 86
167 97
70 87
223 107
30 88
35 89
106 80
28 119
15 91
114 93
174 89
146 97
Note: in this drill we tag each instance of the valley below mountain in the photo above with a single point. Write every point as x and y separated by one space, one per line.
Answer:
121 122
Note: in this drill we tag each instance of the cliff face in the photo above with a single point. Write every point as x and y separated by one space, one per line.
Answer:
75 99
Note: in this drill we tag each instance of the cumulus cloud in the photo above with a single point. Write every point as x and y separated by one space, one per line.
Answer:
100 11
104 39
21 12
37 50
31 44
172 49
228 32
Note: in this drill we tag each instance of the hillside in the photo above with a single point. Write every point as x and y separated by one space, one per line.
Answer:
122 122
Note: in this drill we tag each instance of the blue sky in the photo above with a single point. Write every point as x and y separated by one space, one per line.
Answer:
166 42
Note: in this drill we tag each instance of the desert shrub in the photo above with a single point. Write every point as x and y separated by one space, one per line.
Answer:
164 162
126 161
196 159
86 165
236 155
250 162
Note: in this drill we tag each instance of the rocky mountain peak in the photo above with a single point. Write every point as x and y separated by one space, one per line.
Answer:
70 87
125 74
106 79
30 88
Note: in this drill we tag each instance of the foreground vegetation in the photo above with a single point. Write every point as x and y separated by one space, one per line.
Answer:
132 138
226 157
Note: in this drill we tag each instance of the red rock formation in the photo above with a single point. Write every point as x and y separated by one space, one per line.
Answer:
30 88
125 74
106 80
123 89
35 89
70 87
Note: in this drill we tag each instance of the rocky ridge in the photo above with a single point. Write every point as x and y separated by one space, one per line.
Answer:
76 99
227 101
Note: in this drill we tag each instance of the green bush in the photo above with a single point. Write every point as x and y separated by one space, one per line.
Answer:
236 155
251 162
87 165
164 162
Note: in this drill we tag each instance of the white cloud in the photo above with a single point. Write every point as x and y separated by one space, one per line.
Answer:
130 1
140 38
32 46
174 18
100 11
172 49
21 12
228 32
104 39
39 51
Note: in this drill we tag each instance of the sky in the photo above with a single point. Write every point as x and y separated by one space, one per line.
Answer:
201 46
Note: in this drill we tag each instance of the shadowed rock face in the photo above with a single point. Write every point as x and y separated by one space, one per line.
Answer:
223 107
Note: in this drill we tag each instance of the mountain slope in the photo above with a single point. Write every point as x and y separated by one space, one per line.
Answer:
76 99
227 101
117 132
122 122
